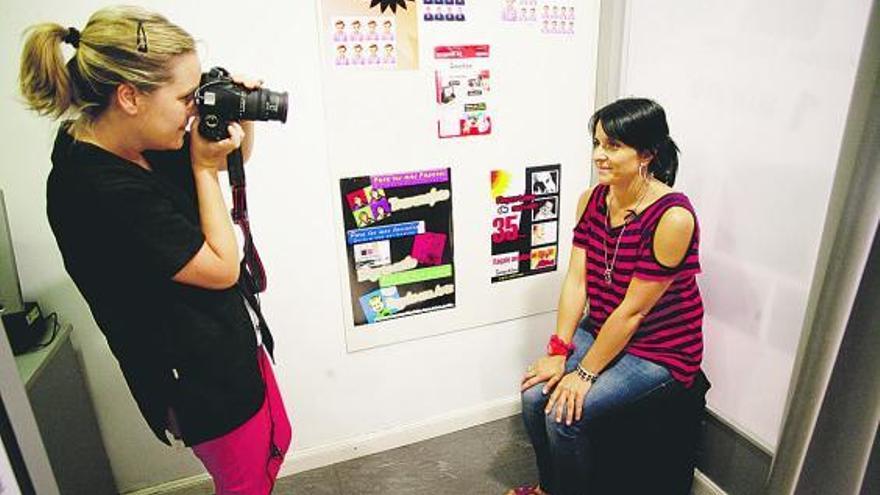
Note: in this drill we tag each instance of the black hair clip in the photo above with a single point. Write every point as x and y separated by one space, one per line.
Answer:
141 38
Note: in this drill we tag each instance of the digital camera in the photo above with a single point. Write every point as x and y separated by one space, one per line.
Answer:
220 100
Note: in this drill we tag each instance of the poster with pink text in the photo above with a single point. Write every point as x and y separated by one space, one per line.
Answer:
398 233
525 222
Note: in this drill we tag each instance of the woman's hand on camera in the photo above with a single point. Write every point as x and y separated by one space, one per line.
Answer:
248 125
545 369
247 82
205 153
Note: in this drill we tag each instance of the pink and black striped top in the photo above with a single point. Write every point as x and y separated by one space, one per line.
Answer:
671 334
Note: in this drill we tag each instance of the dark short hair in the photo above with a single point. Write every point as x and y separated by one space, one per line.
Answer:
641 124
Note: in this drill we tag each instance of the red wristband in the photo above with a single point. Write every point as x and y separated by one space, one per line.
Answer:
558 347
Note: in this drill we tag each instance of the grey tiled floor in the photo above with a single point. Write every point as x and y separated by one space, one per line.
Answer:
483 460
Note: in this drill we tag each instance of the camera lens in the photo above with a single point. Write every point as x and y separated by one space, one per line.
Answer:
264 104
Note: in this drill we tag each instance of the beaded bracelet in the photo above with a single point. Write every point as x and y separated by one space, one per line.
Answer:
587 376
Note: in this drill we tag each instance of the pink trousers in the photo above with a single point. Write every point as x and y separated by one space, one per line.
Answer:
246 460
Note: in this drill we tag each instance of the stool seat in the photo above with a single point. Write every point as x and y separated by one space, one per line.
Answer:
650 446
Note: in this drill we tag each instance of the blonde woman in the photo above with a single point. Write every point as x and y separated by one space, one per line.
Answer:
135 203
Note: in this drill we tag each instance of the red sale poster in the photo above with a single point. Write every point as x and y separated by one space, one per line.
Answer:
525 222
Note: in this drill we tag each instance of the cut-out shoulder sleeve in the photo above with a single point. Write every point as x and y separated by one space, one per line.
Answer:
670 249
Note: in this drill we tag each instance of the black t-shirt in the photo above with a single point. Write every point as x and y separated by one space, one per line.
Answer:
124 232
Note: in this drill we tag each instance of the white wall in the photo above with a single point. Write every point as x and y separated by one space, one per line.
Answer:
540 98
339 401
756 94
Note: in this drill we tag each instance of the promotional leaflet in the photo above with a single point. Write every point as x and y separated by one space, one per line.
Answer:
462 90
525 222
399 244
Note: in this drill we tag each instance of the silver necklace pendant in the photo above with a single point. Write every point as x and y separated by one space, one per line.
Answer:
609 268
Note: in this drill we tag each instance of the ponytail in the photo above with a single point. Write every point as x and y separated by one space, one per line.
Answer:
664 165
43 78
119 45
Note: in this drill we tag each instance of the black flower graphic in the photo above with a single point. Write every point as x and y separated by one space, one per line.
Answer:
393 4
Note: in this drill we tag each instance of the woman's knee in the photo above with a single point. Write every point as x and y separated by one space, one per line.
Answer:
563 431
533 398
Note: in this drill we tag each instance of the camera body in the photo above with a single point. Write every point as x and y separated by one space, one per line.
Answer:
220 101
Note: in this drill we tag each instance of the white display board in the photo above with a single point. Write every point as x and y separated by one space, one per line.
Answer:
382 121
757 95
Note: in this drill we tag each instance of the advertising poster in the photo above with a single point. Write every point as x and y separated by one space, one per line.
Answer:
462 90
398 230
525 222
445 11
368 35
547 16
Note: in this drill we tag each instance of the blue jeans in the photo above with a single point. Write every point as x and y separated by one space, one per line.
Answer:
563 451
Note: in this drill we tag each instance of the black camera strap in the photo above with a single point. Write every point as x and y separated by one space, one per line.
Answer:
253 276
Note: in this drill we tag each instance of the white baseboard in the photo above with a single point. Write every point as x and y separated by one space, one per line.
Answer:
172 486
324 455
704 486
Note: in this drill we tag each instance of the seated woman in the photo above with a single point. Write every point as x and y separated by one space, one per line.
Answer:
635 258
